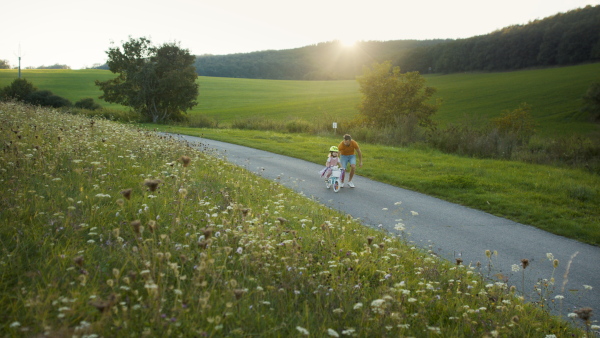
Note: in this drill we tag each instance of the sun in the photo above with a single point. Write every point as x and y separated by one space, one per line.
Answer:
348 43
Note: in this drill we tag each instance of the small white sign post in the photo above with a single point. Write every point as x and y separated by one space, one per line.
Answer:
335 127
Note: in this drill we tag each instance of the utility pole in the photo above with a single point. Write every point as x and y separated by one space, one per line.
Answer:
19 56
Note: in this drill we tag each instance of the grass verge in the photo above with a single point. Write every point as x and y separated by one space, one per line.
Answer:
559 200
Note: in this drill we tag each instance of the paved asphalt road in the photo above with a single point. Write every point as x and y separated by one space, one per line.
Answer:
450 230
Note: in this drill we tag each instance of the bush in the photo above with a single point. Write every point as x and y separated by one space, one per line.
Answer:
201 121
298 126
106 113
591 101
517 124
46 98
87 103
18 90
257 123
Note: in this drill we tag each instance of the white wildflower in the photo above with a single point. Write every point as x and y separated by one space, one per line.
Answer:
332 333
302 330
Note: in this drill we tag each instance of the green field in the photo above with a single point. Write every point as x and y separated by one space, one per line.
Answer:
554 95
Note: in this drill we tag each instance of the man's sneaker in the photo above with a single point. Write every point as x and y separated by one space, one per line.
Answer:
350 184
341 184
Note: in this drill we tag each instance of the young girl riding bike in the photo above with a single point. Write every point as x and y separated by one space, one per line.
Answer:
333 160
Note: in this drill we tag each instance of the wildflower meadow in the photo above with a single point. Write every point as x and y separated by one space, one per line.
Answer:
110 230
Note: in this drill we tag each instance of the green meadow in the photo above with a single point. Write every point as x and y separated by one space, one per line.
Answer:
111 230
554 95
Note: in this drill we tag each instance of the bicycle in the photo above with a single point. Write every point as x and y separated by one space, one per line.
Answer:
334 180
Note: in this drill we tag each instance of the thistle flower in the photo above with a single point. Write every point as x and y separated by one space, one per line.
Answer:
370 240
555 263
103 305
584 313
126 193
282 220
238 293
132 275
245 212
459 261
185 160
78 260
488 253
525 263
152 184
152 225
136 226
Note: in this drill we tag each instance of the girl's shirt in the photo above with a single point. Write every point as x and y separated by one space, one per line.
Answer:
333 161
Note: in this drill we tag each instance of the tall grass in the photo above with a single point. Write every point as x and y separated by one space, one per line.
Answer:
109 230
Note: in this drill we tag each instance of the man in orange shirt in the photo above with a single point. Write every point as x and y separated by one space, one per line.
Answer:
347 148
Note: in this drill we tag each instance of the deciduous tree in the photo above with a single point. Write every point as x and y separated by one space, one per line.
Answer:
390 96
158 82
4 64
591 101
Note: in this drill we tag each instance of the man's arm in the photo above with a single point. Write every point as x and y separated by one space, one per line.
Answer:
359 153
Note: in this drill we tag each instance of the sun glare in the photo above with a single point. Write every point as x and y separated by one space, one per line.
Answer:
348 43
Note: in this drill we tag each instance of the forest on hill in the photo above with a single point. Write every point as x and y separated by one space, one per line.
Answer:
563 39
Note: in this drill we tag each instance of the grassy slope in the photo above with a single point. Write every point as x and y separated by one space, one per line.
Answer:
204 256
554 94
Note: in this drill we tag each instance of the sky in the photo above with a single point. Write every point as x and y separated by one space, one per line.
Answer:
78 33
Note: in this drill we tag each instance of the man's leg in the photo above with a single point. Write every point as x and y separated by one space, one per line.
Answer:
344 161
352 167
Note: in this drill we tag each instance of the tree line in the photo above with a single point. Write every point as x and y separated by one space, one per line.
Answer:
563 39
324 61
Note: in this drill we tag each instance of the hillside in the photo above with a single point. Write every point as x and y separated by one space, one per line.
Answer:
563 39
554 95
